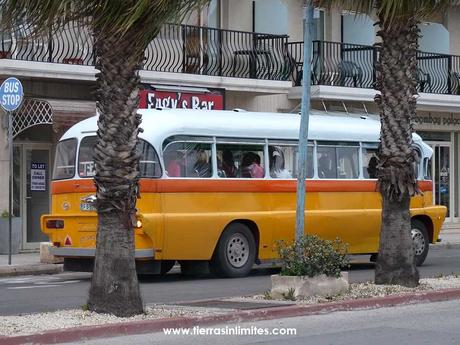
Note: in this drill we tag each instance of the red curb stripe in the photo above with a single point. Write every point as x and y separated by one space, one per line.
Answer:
152 326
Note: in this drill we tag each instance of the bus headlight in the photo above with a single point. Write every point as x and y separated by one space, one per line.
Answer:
138 224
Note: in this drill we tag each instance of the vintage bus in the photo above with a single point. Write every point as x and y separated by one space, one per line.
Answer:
220 187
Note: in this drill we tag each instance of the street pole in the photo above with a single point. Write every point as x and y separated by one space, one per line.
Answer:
10 185
304 119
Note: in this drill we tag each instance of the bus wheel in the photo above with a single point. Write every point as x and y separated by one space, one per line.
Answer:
166 266
235 253
420 240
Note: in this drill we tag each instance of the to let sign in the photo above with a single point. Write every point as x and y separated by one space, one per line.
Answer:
38 177
11 94
152 99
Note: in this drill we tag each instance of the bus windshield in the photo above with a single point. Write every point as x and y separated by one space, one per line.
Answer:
64 164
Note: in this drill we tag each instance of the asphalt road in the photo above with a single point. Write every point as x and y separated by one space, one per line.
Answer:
431 323
30 294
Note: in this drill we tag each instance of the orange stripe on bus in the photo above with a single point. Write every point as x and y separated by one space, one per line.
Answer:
230 186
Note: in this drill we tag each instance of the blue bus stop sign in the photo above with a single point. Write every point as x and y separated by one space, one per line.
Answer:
11 94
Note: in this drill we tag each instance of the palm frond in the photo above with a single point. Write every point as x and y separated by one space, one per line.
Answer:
393 10
112 16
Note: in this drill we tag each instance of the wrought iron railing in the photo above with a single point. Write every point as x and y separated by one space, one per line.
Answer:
352 65
230 53
177 48
227 53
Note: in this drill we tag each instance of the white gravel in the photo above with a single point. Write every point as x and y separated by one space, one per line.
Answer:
37 323
40 322
365 290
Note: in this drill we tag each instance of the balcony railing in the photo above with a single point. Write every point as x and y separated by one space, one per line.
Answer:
230 53
352 65
177 48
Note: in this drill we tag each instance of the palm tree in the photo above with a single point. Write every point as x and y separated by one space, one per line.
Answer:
122 31
396 81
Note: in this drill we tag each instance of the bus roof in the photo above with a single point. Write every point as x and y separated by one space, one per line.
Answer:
160 124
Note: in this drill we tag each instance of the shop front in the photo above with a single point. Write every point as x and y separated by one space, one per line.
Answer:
37 126
442 132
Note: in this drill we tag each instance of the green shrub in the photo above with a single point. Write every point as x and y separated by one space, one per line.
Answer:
312 256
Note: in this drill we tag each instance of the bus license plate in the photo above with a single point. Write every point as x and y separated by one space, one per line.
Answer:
84 206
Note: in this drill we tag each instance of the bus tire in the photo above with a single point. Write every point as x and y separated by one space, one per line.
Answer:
166 266
420 240
235 253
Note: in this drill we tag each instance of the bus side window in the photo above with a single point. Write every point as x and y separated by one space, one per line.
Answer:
427 168
283 161
347 158
240 160
418 163
370 162
149 165
327 162
188 159
338 160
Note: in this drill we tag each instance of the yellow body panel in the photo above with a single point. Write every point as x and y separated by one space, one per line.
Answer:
187 226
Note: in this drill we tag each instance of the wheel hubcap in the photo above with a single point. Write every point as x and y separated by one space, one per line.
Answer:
238 250
419 241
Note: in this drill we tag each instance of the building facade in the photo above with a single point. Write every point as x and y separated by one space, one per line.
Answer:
233 54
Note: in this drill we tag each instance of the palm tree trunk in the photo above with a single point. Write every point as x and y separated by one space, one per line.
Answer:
396 80
114 285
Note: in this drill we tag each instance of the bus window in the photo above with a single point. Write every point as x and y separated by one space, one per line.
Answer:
283 160
240 160
85 157
427 168
327 162
64 164
370 162
188 159
277 159
418 157
338 161
347 162
148 165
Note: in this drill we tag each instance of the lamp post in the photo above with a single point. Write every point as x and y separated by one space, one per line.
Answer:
304 119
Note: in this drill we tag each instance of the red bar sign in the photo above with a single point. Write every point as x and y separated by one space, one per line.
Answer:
151 99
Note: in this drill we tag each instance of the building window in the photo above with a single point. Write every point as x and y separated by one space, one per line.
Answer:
271 16
358 29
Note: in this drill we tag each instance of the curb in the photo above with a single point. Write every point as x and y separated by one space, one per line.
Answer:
445 245
152 326
20 270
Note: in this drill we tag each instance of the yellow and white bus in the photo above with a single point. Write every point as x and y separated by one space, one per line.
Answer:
220 186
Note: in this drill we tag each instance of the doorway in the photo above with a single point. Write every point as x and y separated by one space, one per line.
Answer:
34 190
442 176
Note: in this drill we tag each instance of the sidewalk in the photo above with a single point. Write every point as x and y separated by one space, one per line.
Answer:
29 263
26 264
450 237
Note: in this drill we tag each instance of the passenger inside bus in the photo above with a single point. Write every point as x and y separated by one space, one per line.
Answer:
277 169
173 164
372 167
324 167
251 166
228 164
201 166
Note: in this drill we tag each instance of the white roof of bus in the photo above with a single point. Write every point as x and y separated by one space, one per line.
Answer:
160 124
